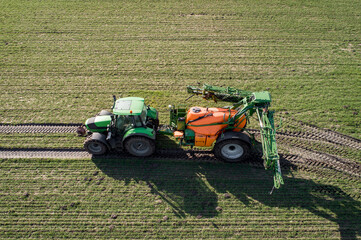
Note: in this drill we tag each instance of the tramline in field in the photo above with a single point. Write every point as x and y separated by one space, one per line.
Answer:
132 126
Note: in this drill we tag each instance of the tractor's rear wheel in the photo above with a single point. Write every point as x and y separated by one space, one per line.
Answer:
95 147
140 146
231 150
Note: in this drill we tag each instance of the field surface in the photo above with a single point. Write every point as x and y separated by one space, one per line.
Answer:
61 62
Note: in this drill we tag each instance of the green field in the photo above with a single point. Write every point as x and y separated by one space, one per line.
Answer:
171 199
61 62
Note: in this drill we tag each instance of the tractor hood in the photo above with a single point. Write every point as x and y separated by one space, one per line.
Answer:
129 106
98 123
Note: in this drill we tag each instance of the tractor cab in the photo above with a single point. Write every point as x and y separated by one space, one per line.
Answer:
127 112
130 112
133 111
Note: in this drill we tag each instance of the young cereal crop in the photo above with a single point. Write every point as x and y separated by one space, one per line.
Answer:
134 198
61 61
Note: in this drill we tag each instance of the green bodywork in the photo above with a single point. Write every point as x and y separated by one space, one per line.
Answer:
128 119
152 113
189 136
175 114
98 123
250 103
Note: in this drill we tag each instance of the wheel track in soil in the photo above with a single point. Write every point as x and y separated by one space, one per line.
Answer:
313 132
305 157
39 128
317 134
300 155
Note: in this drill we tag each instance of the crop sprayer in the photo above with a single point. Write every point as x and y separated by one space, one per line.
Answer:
133 126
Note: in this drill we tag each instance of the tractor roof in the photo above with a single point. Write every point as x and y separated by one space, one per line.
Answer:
129 106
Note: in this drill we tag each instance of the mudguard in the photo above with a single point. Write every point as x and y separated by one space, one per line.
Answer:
235 135
144 132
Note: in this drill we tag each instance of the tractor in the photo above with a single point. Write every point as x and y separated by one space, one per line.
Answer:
132 126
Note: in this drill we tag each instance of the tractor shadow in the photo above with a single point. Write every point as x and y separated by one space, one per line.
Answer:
195 187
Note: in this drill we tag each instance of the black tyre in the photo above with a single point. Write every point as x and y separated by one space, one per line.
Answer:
95 147
140 146
232 150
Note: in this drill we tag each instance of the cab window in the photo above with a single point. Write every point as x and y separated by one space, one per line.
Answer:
143 116
124 122
140 120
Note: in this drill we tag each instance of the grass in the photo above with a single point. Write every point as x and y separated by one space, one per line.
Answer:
46 140
167 199
61 61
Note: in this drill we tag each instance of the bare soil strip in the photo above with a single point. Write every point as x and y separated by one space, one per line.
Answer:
39 128
44 153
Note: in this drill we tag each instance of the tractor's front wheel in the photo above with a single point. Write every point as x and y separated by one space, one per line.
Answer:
231 150
95 147
140 146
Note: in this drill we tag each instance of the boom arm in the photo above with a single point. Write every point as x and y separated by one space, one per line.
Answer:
215 93
251 102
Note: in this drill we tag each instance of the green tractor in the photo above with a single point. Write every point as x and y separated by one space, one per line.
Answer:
132 126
